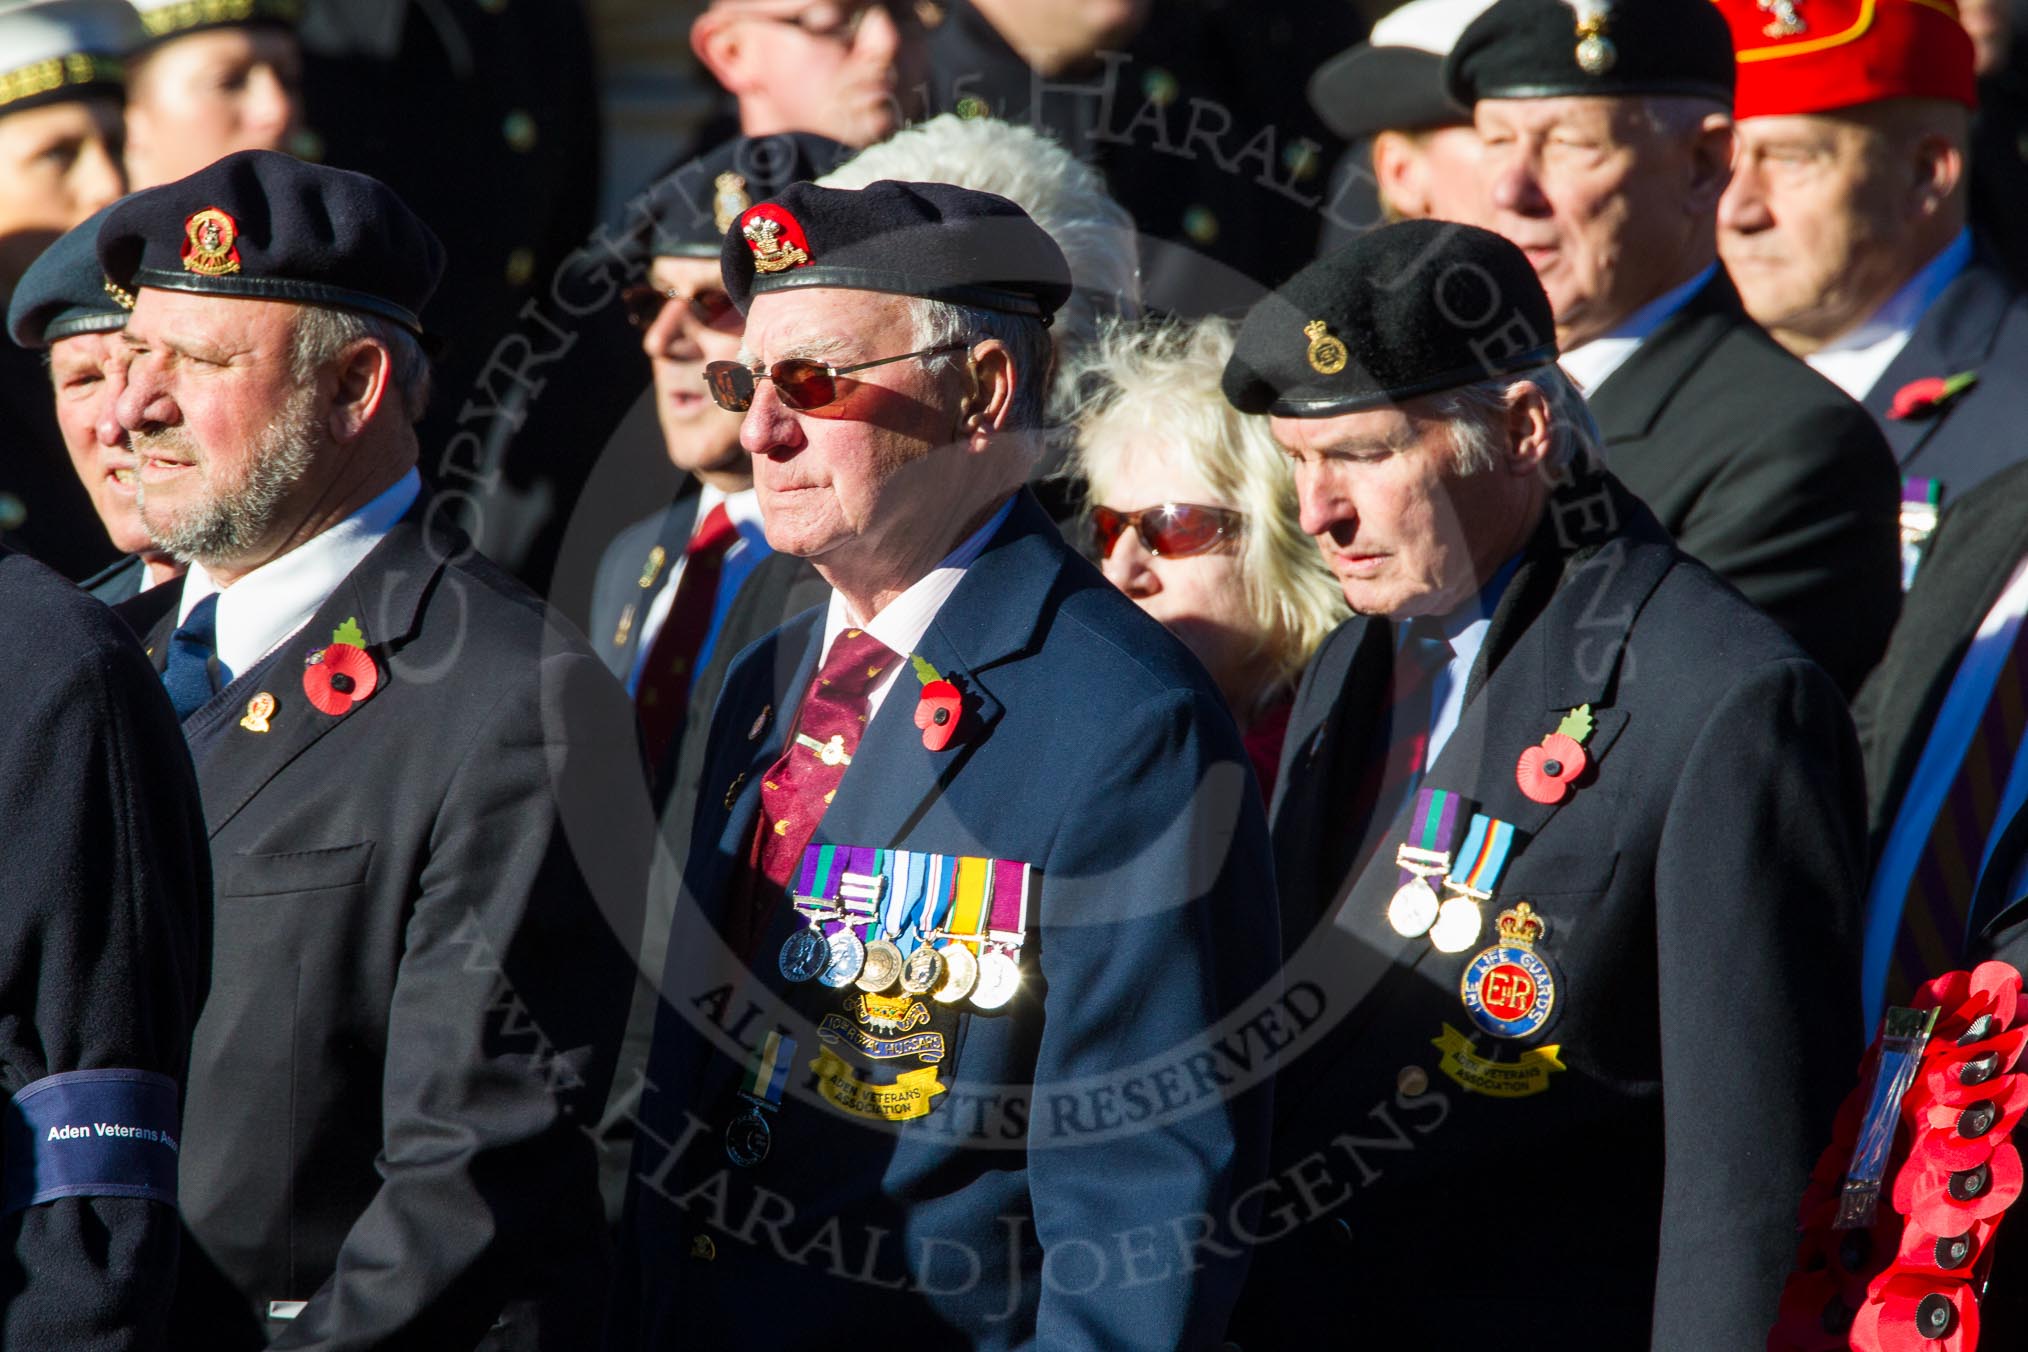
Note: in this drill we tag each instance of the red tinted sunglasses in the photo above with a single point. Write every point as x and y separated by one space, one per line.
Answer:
1172 530
644 304
803 384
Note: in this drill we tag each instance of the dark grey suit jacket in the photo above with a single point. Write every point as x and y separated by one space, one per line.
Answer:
424 911
1766 473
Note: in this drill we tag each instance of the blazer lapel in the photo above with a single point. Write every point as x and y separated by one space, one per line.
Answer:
1956 334
385 595
1630 401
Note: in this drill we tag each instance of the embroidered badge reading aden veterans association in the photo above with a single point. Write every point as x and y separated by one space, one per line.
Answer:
209 239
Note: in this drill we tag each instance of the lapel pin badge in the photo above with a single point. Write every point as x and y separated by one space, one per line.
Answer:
259 710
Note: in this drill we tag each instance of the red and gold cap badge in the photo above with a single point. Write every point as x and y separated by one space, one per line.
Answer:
776 238
210 239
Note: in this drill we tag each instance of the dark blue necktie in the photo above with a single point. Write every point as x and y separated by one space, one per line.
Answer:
187 675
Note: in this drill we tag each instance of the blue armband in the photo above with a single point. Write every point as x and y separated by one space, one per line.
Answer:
91 1133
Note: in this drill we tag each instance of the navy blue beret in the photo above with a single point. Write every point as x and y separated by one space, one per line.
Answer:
261 225
1538 49
932 240
692 207
1403 311
64 291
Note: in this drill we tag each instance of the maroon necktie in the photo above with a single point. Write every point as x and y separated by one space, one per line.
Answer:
798 787
1395 761
663 695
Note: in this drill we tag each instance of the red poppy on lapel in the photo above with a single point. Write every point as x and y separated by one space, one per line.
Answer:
937 713
337 677
1930 395
1547 771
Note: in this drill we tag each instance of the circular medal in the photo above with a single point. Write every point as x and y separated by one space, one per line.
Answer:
1457 925
805 956
747 1139
1414 908
923 972
881 968
961 973
999 978
1508 990
848 955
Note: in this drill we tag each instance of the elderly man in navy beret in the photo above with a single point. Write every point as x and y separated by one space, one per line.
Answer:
63 305
1569 834
976 871
424 799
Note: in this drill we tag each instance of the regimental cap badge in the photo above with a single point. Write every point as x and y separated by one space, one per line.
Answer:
121 296
776 238
1520 926
209 240
1327 354
728 199
1595 51
1786 22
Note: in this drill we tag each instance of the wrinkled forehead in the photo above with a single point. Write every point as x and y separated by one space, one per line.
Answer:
827 321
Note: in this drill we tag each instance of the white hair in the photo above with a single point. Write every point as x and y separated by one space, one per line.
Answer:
1026 340
1064 196
322 333
1477 414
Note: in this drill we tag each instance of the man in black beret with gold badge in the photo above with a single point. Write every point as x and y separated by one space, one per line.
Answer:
1569 836
1608 142
978 868
423 796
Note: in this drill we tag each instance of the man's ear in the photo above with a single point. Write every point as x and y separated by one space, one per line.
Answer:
1711 153
716 38
989 398
1531 431
1401 174
365 370
1937 167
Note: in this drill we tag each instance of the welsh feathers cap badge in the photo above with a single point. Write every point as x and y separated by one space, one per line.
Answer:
777 240
209 240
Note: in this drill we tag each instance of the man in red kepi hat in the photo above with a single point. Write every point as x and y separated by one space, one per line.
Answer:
1845 229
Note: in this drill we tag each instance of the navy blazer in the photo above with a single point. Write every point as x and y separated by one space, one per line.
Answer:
1063 1189
1626 1175
1979 323
620 596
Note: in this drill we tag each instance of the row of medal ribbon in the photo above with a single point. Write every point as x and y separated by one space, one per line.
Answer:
946 926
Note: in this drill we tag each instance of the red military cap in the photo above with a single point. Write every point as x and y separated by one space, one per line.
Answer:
1813 56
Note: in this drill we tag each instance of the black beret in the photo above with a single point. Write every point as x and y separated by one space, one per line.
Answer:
1402 311
64 291
932 240
65 49
691 208
1536 49
261 225
166 19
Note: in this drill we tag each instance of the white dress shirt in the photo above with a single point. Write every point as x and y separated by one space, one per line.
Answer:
1856 361
903 621
1957 722
1466 629
1589 364
258 613
741 558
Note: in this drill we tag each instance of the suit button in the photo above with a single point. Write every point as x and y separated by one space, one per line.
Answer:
732 790
702 1249
1952 1251
1341 1232
518 130
1978 1119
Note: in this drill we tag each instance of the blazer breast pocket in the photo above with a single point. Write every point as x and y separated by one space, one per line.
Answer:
336 868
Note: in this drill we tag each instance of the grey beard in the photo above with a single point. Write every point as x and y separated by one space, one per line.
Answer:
224 526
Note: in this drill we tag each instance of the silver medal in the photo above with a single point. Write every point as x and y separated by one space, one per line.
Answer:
1414 908
848 956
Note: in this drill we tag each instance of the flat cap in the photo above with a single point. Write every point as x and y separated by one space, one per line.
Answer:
65 49
165 19
932 240
261 225
64 292
1817 56
1539 49
1403 311
1393 81
692 207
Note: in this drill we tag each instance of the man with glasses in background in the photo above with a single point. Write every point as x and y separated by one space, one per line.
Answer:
845 68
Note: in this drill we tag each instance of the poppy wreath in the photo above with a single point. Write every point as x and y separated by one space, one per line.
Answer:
1910 1281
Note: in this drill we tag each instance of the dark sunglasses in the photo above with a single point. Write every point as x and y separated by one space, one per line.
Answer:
1172 530
644 304
802 384
841 21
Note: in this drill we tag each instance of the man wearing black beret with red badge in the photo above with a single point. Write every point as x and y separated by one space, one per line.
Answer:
1569 836
424 800
977 868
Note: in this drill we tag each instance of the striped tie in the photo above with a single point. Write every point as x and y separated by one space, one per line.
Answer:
1934 914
